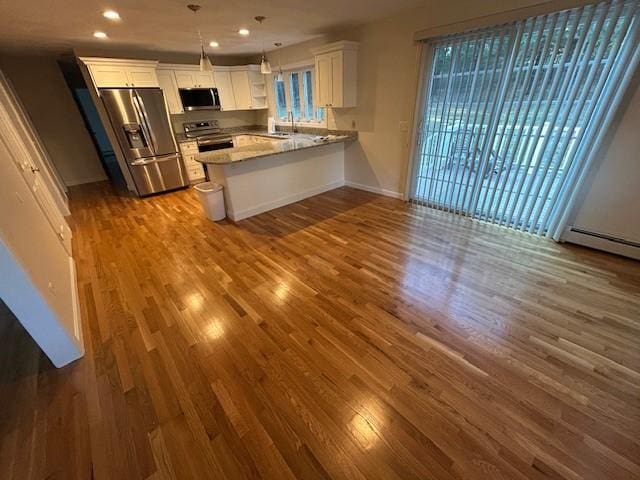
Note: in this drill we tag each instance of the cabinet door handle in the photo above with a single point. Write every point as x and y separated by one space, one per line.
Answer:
34 169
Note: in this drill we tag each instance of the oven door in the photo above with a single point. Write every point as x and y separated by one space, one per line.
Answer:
199 99
210 144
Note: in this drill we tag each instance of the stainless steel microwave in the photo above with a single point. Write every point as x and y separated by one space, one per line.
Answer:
199 99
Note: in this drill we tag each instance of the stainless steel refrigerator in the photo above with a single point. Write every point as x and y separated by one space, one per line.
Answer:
141 124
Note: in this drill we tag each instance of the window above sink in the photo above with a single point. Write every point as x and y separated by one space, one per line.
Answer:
293 92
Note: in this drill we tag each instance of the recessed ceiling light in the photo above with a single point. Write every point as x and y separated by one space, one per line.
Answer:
99 34
214 44
111 15
243 31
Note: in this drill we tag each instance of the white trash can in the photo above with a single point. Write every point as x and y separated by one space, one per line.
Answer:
212 200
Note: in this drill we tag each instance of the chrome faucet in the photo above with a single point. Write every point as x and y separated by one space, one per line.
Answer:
293 125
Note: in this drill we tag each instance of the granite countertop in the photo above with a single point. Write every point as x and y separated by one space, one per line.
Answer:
272 145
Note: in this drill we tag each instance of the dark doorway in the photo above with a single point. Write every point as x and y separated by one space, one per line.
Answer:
93 124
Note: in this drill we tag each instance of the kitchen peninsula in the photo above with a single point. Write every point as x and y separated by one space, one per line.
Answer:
262 172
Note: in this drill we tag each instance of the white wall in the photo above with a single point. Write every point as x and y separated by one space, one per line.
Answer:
42 90
292 176
387 82
38 279
611 203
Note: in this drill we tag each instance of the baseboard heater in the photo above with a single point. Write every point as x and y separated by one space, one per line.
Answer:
602 241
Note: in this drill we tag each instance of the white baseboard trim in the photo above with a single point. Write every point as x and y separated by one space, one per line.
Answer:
602 242
378 190
81 181
281 202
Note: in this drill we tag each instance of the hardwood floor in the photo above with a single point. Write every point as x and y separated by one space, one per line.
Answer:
346 336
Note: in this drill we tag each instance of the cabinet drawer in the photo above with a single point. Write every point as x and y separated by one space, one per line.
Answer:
195 173
190 162
188 148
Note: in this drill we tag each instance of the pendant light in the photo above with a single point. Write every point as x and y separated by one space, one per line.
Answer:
265 66
279 76
205 63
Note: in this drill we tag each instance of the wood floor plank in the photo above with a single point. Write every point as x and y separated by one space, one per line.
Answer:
345 336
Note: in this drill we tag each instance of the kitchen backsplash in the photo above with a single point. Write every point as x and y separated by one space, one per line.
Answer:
237 118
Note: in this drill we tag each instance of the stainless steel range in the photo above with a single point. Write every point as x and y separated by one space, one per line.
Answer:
208 135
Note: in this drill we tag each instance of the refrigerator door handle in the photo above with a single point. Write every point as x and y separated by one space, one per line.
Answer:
143 121
151 160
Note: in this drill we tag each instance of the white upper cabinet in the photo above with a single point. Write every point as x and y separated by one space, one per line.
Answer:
118 73
249 88
258 86
185 79
205 79
109 76
225 90
241 89
169 86
336 74
194 79
324 81
142 76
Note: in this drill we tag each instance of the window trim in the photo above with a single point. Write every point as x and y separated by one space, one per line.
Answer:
287 70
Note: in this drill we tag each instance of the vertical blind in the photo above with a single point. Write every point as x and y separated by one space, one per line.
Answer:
513 115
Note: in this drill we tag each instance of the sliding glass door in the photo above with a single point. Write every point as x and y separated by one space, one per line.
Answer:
511 113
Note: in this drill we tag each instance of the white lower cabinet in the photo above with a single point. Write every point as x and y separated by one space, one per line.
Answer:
195 170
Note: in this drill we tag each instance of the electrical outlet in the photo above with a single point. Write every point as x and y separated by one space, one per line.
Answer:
404 126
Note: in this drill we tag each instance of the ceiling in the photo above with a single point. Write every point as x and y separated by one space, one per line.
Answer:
167 25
